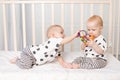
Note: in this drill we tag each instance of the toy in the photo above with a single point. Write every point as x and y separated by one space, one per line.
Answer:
84 36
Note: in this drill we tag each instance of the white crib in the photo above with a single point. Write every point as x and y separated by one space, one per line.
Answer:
24 22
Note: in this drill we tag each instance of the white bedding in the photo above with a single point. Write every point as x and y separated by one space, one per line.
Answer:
53 71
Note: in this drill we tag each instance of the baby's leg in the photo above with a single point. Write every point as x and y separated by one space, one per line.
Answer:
26 60
89 63
77 62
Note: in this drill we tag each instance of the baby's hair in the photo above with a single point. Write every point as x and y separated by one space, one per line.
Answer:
51 29
96 19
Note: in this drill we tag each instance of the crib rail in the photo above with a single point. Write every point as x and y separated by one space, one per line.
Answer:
55 1
11 6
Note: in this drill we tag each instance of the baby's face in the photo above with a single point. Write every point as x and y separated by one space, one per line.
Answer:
59 33
93 29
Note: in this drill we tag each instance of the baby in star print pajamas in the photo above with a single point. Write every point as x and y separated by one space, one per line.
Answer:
95 49
45 52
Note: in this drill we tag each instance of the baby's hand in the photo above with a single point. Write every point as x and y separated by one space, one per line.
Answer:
90 43
77 33
83 45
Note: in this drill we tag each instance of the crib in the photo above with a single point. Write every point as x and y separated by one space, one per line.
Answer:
25 22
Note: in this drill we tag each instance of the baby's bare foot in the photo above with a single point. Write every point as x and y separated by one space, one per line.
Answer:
13 61
75 66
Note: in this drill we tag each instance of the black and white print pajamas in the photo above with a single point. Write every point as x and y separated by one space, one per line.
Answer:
92 59
40 54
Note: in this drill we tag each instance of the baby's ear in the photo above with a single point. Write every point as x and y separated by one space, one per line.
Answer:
53 35
101 29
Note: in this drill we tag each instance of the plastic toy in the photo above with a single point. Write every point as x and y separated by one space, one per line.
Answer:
84 36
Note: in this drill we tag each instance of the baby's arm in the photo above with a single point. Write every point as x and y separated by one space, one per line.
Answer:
83 46
69 39
95 46
65 41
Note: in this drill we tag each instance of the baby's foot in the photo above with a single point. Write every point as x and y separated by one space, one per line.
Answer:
67 65
13 61
75 66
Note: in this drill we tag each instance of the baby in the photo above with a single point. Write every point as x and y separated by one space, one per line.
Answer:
95 49
47 51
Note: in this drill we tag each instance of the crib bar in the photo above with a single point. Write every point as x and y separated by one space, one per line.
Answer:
52 11
117 46
113 40
33 25
110 42
118 32
43 23
14 27
72 18
59 1
24 23
91 9
62 18
101 10
81 17
62 14
5 29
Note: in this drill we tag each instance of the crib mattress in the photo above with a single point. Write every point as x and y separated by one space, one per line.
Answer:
54 71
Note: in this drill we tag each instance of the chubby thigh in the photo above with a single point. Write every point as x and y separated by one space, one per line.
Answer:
26 60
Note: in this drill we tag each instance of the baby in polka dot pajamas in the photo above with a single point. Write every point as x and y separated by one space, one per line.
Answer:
95 49
46 52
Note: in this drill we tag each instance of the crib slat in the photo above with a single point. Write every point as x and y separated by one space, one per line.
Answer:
118 36
113 31
43 23
62 14
81 17
72 22
91 9
62 18
14 27
33 24
5 29
24 27
118 39
110 36
52 11
57 1
101 10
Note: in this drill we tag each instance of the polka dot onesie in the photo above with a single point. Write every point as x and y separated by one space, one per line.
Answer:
40 54
92 59
89 52
47 51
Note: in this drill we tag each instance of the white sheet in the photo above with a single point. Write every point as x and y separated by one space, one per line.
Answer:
53 71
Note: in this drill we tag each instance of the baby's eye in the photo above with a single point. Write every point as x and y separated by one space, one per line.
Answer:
88 29
61 32
93 29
